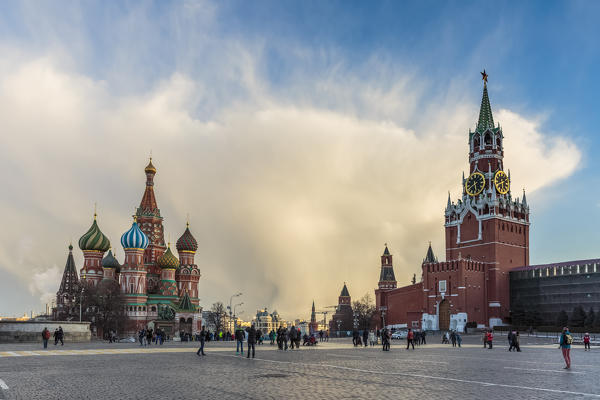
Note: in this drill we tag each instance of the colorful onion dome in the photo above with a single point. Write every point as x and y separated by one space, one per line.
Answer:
187 242
94 239
150 167
109 261
168 260
134 238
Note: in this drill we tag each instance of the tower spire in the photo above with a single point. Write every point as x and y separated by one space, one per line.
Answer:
486 120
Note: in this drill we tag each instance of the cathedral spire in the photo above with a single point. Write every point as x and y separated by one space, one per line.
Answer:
486 120
148 204
430 257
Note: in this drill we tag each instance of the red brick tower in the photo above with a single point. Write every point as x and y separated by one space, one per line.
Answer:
188 274
488 225
313 326
151 223
387 281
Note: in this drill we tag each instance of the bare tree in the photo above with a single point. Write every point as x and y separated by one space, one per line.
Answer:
365 307
104 306
216 316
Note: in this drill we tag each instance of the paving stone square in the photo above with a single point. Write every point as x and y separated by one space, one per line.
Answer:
333 370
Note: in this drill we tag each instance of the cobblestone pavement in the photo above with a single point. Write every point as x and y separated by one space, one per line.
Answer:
334 370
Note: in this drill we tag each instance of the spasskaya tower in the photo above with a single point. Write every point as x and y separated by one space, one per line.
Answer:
487 224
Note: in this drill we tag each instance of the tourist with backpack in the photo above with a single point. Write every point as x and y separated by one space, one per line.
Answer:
565 345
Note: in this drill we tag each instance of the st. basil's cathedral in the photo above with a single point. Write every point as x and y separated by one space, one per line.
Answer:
159 289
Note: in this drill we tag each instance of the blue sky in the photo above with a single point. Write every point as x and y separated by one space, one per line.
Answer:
128 77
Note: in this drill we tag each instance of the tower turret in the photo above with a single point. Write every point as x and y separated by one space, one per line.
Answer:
188 274
110 265
133 272
168 264
387 279
68 291
94 244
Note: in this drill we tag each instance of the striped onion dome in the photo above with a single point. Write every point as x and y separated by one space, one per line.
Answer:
134 238
110 261
168 260
94 239
187 242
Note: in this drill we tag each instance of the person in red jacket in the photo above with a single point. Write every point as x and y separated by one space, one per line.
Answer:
410 339
489 338
586 341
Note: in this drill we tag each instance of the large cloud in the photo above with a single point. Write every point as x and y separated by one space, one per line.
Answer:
287 199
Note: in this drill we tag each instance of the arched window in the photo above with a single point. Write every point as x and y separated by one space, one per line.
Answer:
488 139
499 142
476 143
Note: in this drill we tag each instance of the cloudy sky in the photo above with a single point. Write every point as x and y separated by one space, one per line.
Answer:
299 136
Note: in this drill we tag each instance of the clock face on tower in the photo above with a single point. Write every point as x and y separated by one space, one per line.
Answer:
475 184
501 182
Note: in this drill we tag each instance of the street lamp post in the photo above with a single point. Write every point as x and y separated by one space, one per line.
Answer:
229 307
234 315
81 295
383 309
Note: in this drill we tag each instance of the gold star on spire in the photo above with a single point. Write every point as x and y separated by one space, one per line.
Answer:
484 77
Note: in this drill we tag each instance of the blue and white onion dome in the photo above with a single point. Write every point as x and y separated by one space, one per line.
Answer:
134 238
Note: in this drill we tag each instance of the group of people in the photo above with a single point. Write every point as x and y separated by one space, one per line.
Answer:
514 341
453 337
283 336
149 336
59 336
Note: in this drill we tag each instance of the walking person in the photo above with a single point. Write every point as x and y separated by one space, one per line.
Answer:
423 334
251 340
510 340
292 337
385 339
284 338
484 339
565 345
586 341
45 337
489 338
61 335
458 339
516 340
202 339
365 337
453 338
410 339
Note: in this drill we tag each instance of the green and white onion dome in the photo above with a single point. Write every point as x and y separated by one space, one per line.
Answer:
94 239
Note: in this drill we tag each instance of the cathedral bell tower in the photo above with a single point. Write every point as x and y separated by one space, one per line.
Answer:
151 223
487 224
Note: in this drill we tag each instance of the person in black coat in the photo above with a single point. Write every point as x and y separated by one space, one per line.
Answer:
366 337
251 340
202 339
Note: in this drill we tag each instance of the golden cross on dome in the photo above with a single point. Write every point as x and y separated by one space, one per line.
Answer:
484 76
95 211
